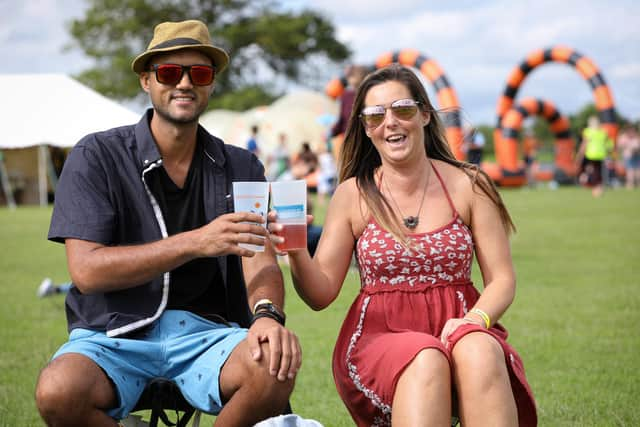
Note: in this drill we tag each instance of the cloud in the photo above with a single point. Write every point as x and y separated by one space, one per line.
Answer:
479 43
627 71
34 33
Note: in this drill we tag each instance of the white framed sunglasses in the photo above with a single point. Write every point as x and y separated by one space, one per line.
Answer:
403 109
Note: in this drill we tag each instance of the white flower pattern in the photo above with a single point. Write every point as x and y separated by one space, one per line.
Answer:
445 255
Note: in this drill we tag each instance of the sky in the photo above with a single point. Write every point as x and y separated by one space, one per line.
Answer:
476 42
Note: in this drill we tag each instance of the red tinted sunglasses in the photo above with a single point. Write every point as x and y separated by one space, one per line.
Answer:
171 74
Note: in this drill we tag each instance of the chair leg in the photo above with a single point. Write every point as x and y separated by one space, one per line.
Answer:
196 419
133 421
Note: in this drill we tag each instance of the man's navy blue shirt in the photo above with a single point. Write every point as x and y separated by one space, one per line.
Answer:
102 197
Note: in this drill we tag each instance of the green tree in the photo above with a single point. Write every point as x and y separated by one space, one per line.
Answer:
257 34
580 119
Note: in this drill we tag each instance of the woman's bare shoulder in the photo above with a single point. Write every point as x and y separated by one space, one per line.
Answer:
346 190
347 200
454 177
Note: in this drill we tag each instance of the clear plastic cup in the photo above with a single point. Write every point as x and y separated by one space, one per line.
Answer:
251 196
289 200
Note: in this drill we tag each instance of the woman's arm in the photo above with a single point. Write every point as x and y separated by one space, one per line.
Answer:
318 281
493 253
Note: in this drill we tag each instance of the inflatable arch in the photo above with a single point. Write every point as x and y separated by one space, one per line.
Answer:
511 124
447 98
507 153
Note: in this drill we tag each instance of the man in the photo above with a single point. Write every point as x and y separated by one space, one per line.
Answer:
159 277
596 146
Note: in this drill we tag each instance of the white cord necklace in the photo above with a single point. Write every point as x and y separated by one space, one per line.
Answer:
411 222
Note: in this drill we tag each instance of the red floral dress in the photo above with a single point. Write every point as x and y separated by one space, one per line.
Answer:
406 297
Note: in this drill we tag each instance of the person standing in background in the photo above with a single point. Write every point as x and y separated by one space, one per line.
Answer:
629 146
530 146
279 159
252 142
596 146
354 75
473 145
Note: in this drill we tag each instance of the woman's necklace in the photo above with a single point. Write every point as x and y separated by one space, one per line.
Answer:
411 222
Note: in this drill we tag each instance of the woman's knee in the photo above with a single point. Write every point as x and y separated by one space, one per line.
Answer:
429 366
479 353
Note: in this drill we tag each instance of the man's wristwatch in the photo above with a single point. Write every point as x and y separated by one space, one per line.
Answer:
266 308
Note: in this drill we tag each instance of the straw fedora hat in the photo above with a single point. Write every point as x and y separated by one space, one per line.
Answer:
170 36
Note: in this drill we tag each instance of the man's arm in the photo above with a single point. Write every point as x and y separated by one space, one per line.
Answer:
264 281
98 268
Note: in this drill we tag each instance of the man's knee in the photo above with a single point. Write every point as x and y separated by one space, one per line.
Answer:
70 384
260 372
241 370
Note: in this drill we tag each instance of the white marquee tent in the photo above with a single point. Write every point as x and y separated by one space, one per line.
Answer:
43 110
40 110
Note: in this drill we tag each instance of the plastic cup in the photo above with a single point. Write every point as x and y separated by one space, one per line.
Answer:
289 200
251 196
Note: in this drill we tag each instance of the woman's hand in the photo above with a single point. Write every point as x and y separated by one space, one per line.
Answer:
275 231
453 324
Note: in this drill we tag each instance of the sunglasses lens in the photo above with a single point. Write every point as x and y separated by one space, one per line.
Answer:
404 112
202 75
372 120
373 116
169 74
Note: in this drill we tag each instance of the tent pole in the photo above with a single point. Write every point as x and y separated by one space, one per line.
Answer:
6 185
42 174
51 172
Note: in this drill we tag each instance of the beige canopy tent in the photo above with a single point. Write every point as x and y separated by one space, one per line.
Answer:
46 110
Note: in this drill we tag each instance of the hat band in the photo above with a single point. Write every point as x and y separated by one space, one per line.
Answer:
177 42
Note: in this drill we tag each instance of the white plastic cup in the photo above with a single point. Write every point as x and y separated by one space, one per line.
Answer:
289 200
252 196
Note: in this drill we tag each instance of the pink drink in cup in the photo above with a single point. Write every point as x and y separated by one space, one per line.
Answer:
295 236
289 200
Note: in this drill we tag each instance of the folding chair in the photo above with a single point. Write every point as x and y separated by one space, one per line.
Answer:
162 395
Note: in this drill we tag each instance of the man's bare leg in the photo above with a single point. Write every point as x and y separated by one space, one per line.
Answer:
73 391
251 393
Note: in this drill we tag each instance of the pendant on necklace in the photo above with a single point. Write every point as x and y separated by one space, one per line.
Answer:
411 222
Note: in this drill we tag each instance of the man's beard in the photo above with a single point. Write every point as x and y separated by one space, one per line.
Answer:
166 115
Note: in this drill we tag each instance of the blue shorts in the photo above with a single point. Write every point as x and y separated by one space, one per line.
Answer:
180 346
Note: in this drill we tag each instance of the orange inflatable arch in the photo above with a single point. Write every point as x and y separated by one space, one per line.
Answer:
447 98
511 124
506 151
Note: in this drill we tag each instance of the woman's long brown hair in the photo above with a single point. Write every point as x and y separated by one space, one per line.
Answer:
360 159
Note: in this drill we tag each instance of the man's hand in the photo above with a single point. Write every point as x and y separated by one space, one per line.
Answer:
223 235
284 347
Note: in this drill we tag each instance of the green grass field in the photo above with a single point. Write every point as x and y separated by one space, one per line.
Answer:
575 319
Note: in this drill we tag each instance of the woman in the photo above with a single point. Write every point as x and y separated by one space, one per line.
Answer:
418 337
